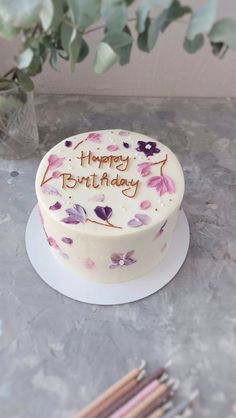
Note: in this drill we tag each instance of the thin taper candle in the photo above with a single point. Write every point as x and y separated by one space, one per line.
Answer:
88 411
121 412
120 402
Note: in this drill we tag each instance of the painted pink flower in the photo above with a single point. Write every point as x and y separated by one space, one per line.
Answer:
89 263
56 174
144 169
112 147
54 161
94 137
122 259
52 242
145 204
162 184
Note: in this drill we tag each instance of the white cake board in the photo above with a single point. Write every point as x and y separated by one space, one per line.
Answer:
67 282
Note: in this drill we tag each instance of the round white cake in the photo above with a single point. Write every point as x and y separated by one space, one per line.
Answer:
109 202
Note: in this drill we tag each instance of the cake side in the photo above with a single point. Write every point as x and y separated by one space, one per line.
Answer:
109 201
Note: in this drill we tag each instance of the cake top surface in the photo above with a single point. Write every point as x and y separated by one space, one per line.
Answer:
109 182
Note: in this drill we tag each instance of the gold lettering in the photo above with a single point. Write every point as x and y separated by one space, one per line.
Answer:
67 177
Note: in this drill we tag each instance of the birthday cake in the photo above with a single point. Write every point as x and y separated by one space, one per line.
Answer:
109 202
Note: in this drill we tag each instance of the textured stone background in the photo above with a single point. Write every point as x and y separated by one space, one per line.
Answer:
57 354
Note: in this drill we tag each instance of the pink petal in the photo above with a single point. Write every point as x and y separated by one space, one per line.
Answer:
54 161
50 190
144 169
89 263
112 148
145 204
52 242
155 181
94 137
169 184
56 174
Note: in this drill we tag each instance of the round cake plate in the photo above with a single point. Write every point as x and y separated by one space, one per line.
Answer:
67 282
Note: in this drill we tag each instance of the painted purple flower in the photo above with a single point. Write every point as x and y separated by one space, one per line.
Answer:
46 188
103 212
68 143
76 214
122 259
162 184
139 220
56 206
149 148
52 242
67 240
54 161
160 231
126 145
144 169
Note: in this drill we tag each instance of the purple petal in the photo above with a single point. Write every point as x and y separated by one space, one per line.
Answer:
129 261
116 257
129 254
145 219
56 206
170 184
103 212
126 145
113 266
135 223
77 213
155 181
70 220
50 190
67 240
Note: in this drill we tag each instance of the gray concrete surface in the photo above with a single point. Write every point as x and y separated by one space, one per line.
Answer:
57 354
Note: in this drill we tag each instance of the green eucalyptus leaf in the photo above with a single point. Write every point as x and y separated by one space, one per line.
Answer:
174 12
105 58
46 13
202 19
114 13
142 40
58 13
224 31
63 54
217 47
35 66
85 12
121 43
66 32
144 9
53 59
24 59
83 52
24 80
193 46
74 48
21 14
155 28
7 84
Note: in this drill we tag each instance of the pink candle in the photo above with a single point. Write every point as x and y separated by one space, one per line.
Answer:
124 409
